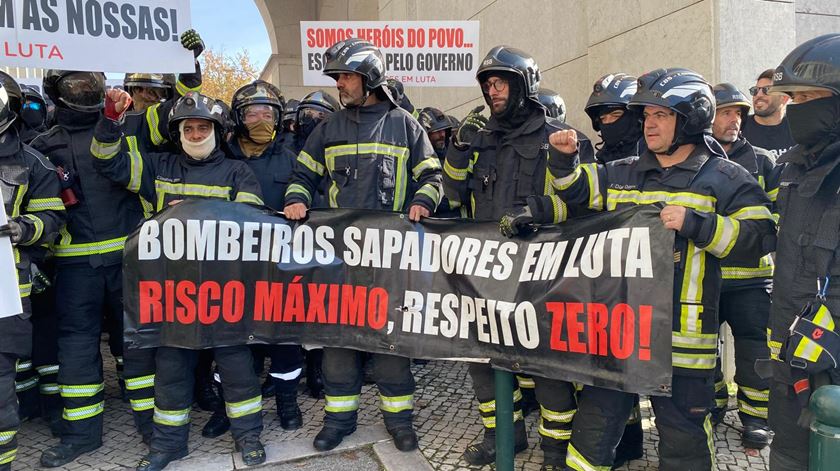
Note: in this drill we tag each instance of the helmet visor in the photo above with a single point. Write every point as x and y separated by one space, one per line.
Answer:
82 91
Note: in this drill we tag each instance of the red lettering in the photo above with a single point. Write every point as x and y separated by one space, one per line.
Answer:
233 301
353 305
645 314
151 309
268 301
316 311
332 314
208 291
378 308
597 328
184 293
622 330
55 52
169 290
557 311
575 327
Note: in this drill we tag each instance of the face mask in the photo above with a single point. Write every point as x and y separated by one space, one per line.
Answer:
198 150
261 131
622 129
811 121
306 126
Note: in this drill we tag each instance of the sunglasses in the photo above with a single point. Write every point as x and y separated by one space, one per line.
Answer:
754 90
33 105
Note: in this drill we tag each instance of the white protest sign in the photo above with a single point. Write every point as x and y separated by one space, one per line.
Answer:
9 293
97 35
417 53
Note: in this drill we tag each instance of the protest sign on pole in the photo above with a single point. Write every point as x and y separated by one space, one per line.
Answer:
588 301
9 292
96 35
417 53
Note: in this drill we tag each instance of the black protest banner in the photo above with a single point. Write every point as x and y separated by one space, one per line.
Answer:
588 301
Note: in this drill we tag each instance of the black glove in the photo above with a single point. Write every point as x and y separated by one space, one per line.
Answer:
192 41
468 128
513 223
12 230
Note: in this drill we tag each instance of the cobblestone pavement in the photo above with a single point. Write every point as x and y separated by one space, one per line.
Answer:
446 419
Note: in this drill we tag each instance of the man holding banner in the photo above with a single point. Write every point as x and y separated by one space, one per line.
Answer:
718 210
502 168
374 155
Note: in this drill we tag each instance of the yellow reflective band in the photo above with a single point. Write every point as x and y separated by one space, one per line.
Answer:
746 273
148 209
173 418
760 412
726 233
330 153
245 197
576 461
152 120
760 395
557 416
693 275
104 150
243 408
39 229
559 209
808 350
707 427
140 405
44 204
457 174
694 361
752 212
429 190
773 194
182 89
135 163
564 183
8 456
690 323
26 385
487 407
81 390
696 201
333 194
430 163
140 382
341 403
189 189
313 165
299 189
23 365
557 434
46 369
823 318
694 340
526 383
25 290
596 201
490 422
19 199
396 404
6 437
76 250
82 413
49 388
761 181
721 402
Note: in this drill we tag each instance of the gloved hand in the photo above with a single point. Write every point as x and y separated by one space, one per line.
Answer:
117 103
192 41
513 223
469 127
12 230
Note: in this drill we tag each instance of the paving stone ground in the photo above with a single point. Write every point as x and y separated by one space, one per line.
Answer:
446 419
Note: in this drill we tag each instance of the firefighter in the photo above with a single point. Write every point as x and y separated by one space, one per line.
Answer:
717 210
372 129
199 170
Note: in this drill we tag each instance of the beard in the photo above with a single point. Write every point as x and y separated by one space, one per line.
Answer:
772 108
